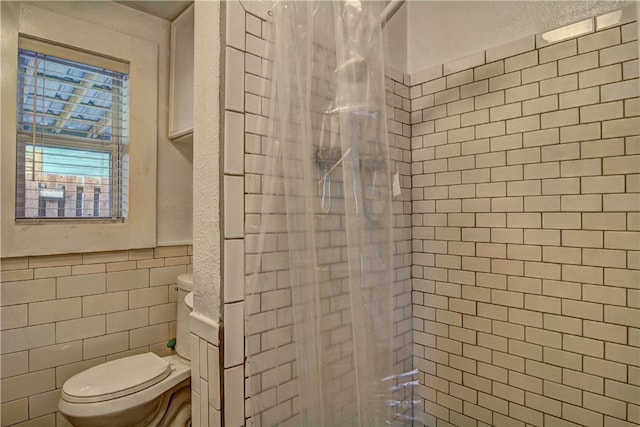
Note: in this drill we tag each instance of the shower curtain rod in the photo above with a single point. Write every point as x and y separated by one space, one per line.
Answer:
390 10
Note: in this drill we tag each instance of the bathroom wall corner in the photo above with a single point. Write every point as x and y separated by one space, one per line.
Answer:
208 222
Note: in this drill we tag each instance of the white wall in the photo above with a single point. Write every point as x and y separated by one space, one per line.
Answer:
175 190
395 37
439 31
206 141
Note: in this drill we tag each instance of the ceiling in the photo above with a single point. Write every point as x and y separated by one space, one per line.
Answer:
168 9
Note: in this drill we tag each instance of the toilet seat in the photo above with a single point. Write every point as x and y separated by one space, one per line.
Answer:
115 379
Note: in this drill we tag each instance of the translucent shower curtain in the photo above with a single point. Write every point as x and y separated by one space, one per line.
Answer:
319 302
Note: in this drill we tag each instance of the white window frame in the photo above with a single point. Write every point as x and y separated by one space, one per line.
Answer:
46 237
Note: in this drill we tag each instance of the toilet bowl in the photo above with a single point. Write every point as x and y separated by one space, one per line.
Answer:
136 391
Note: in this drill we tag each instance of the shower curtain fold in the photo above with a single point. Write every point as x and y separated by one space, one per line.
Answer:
319 303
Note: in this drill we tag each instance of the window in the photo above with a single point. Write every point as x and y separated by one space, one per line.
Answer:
122 152
72 133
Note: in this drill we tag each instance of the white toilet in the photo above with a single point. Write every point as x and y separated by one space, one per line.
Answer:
136 391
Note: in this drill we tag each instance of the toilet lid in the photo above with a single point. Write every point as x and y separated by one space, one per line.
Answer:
116 378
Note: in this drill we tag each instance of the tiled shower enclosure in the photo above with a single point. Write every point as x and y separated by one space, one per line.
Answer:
516 236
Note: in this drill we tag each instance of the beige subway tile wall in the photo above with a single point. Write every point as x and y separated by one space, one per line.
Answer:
62 314
525 234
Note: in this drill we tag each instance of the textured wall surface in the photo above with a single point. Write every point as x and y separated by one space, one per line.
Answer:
208 223
525 174
206 168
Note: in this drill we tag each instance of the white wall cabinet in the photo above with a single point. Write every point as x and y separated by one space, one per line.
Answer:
181 80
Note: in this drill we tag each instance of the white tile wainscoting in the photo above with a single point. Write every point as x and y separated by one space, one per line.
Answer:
62 314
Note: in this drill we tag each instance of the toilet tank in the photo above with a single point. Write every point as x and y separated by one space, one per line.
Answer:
183 334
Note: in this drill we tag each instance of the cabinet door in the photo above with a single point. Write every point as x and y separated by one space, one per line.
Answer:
181 80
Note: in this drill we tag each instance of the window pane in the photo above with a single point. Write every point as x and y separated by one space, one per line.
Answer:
74 162
63 97
60 178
